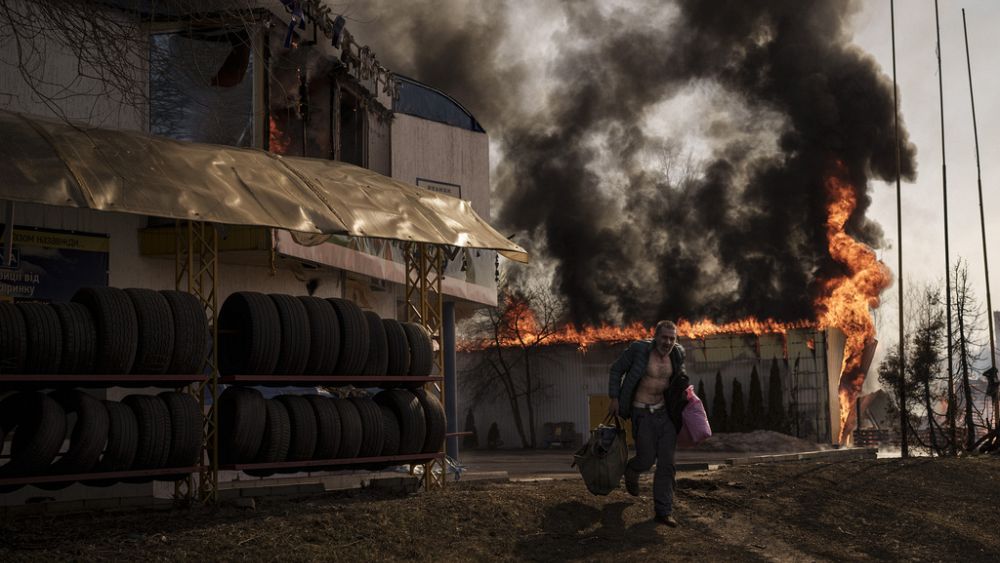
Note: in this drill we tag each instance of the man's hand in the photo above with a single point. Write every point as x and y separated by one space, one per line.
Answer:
613 407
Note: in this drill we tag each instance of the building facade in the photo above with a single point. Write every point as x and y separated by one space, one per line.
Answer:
572 384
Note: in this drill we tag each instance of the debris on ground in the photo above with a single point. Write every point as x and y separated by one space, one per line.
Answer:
900 509
757 441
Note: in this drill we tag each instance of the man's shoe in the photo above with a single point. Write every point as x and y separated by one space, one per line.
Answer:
667 520
632 482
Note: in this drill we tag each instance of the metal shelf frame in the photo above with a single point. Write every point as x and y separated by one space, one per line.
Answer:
425 265
196 270
46 381
424 297
323 463
307 380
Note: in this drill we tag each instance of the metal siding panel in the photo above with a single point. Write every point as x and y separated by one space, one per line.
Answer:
379 145
573 377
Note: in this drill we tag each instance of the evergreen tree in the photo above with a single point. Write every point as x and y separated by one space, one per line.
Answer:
737 415
701 390
776 400
720 420
470 441
755 404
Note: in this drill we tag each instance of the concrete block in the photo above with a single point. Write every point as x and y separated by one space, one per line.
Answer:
342 482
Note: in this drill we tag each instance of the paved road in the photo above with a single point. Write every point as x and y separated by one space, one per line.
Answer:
536 463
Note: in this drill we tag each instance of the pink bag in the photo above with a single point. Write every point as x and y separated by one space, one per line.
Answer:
694 427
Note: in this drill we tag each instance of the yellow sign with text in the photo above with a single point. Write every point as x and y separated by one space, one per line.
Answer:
60 241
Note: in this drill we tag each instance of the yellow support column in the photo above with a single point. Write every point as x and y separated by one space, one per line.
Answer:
197 272
424 305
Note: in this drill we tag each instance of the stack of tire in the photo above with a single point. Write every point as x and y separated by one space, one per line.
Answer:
284 335
296 428
142 432
106 331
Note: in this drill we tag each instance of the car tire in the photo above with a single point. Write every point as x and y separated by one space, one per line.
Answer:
117 328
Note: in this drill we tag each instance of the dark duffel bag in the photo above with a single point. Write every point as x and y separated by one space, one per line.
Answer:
602 459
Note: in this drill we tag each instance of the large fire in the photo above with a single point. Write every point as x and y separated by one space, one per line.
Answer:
521 328
845 302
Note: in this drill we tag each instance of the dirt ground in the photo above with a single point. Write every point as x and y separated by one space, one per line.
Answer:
916 509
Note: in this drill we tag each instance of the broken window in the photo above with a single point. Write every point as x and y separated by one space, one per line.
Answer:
201 86
352 126
299 100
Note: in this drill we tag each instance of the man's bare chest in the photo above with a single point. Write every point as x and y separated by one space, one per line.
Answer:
659 367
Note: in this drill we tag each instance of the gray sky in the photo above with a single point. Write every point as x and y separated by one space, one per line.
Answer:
923 215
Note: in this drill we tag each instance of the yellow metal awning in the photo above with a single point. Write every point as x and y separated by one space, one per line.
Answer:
55 163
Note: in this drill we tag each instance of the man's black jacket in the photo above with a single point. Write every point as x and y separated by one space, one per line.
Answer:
629 368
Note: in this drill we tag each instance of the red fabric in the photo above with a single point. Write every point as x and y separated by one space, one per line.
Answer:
695 428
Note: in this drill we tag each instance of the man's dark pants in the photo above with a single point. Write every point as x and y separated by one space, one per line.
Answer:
655 442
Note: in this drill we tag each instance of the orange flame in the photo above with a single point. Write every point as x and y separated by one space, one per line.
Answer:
847 300
521 328
278 141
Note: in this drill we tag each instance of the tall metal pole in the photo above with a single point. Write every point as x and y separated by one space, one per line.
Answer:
982 219
947 255
450 381
903 413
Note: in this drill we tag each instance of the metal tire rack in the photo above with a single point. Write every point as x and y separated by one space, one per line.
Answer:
182 489
197 265
196 271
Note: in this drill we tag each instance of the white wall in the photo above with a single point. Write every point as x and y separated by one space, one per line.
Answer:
570 377
55 68
434 151
424 150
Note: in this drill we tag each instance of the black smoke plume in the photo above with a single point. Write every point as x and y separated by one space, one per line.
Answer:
740 230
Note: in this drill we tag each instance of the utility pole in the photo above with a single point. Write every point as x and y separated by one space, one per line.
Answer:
903 412
947 255
982 219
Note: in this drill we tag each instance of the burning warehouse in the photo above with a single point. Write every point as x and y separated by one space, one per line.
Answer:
570 377
786 126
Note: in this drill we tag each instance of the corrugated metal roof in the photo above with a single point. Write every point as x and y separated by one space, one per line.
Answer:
55 163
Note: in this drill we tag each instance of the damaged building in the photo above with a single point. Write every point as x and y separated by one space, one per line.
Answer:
571 383
235 148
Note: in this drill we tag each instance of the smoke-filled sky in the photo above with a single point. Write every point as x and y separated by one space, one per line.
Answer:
666 159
